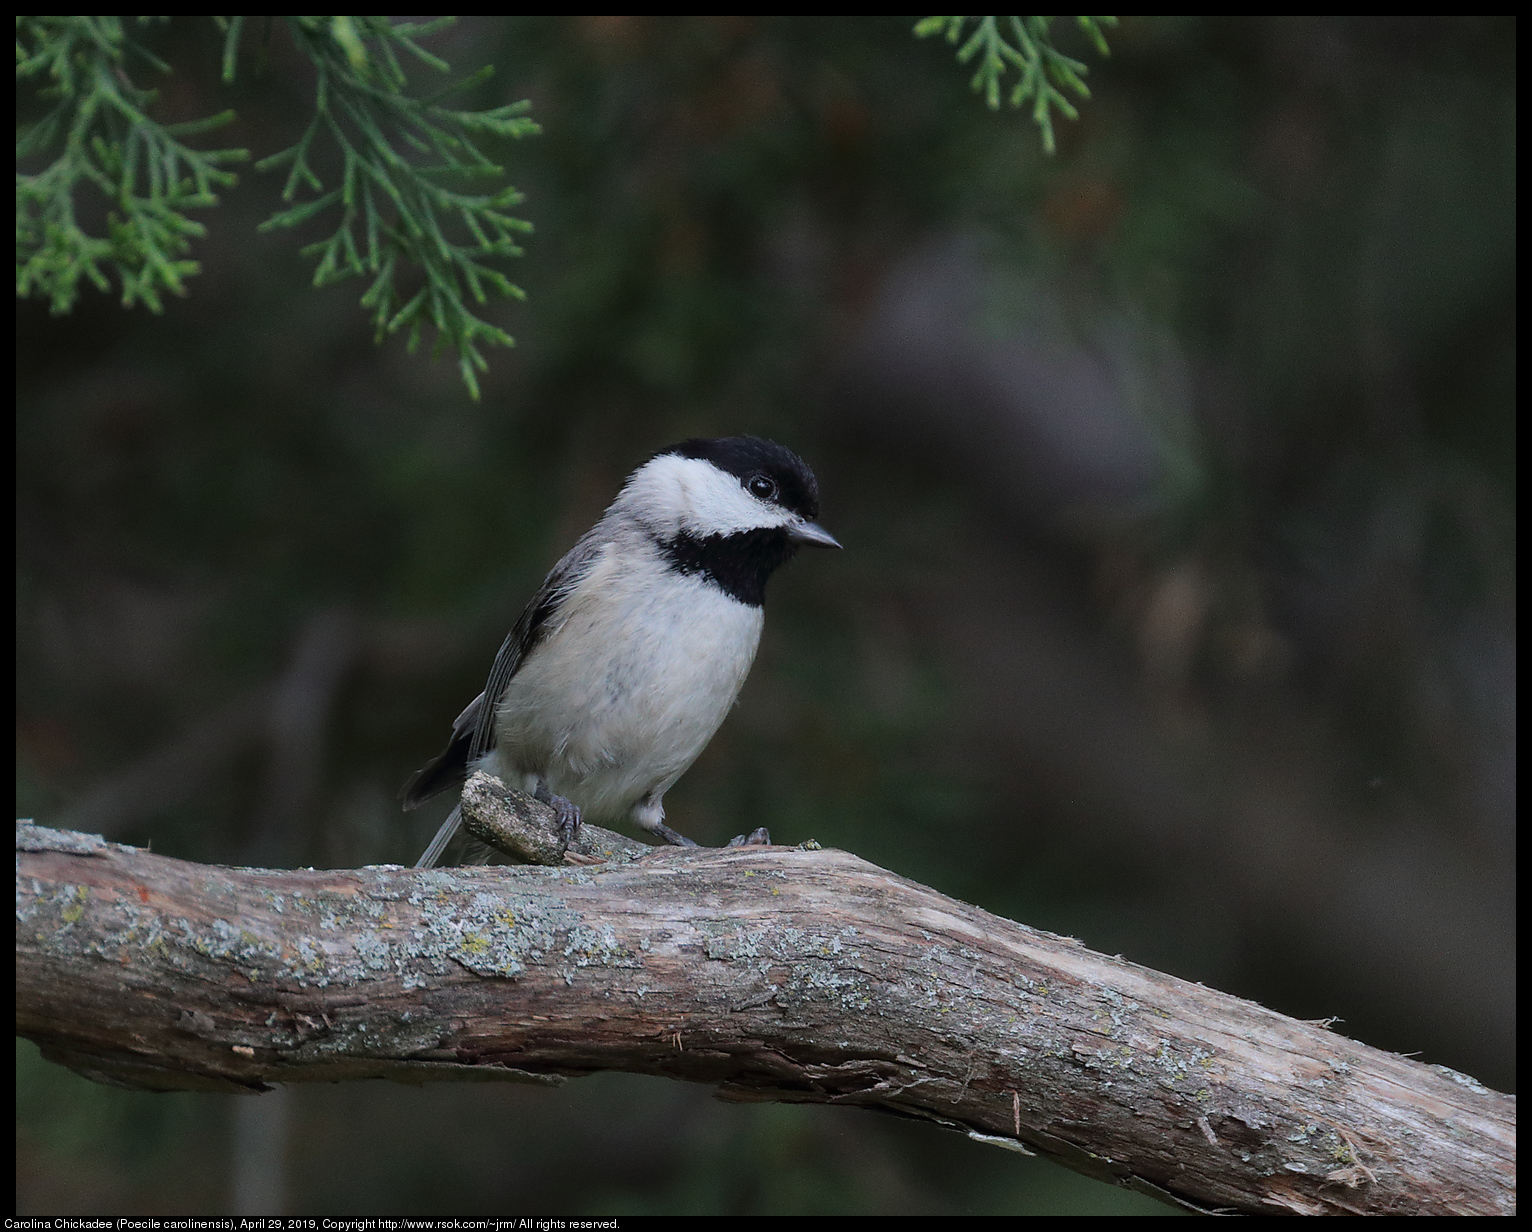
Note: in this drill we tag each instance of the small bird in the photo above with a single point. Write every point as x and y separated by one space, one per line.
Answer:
624 664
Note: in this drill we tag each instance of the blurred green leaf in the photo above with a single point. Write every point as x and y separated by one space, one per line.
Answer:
1043 69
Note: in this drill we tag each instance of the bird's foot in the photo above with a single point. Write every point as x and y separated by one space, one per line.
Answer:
759 837
566 813
670 836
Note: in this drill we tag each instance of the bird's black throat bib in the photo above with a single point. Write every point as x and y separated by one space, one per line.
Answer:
737 564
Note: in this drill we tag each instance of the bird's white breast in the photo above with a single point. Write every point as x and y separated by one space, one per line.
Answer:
637 670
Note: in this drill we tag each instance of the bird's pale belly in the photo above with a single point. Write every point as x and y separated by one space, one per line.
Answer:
616 722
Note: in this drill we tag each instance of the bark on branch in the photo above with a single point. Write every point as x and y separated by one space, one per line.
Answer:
775 973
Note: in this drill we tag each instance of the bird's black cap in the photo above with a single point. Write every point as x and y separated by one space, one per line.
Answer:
744 456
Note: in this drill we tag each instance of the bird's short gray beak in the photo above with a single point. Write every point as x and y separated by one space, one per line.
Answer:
812 534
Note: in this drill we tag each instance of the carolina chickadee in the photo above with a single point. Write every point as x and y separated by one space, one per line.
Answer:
624 664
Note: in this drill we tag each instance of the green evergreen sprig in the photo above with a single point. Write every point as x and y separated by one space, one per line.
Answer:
100 136
415 188
396 208
1044 70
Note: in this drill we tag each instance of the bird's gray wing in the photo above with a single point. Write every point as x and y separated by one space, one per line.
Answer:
473 731
529 630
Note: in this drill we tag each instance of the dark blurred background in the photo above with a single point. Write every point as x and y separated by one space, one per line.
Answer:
1177 612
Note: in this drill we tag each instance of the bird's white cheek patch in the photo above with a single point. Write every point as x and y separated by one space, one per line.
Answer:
690 495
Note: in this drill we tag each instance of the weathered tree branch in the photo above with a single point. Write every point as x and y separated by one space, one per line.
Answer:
776 973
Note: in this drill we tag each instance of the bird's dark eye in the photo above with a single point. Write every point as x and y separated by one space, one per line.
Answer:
761 486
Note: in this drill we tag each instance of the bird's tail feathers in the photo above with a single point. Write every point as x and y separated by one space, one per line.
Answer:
433 853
